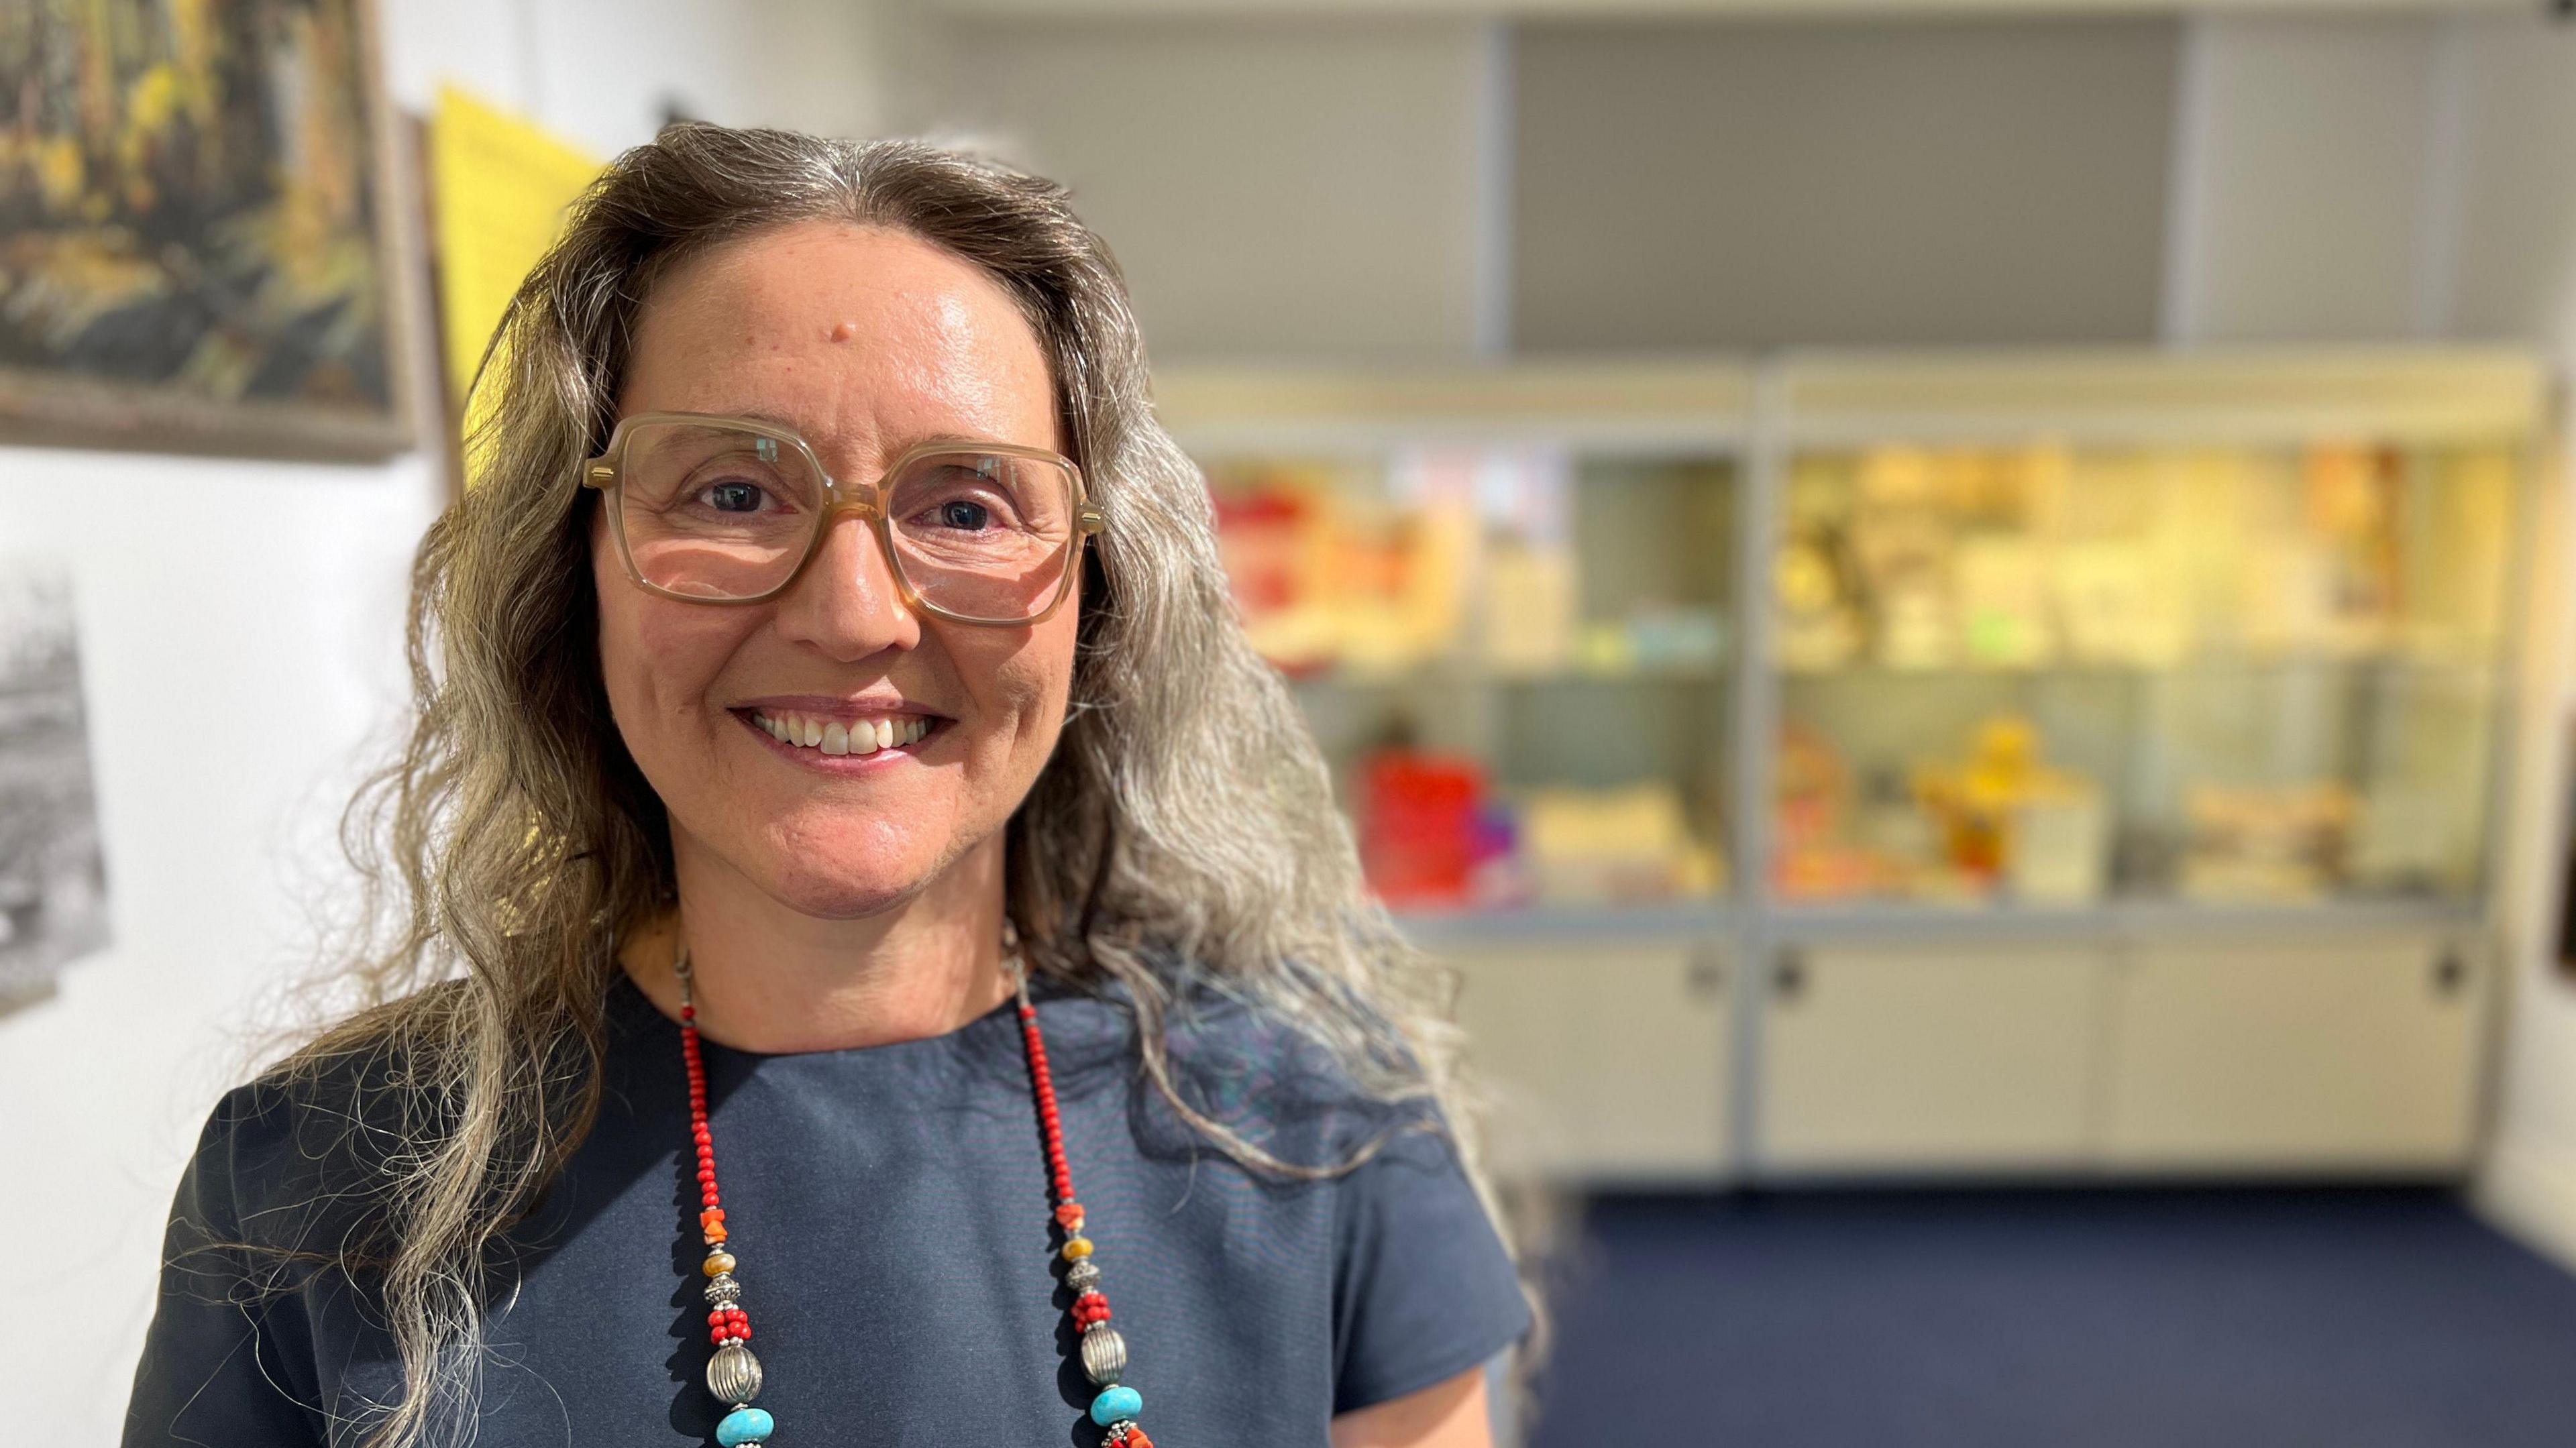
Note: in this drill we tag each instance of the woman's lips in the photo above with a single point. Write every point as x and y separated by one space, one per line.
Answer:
842 735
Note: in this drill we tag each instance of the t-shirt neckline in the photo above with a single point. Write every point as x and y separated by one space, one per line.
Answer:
628 998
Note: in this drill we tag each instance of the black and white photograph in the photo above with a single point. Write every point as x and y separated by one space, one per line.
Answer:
53 882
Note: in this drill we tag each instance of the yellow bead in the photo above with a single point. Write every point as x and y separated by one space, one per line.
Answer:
1077 1248
719 1262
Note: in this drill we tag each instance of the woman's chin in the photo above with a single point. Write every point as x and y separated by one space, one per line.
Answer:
851 889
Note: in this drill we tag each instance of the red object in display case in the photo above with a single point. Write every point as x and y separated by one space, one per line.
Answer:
1420 836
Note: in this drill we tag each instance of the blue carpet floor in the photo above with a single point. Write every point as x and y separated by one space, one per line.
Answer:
2273 1319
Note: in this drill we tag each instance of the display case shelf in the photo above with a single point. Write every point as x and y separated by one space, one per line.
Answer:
2126 920
1438 929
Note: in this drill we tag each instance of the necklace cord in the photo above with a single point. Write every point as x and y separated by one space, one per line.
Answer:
734 1375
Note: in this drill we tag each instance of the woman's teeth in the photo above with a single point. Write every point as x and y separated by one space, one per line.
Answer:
832 736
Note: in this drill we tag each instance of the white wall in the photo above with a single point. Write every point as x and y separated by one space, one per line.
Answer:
238 631
2517 278
240 644
1272 188
605 72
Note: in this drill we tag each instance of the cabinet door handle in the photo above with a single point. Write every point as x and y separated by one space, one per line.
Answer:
1789 976
1707 978
2450 974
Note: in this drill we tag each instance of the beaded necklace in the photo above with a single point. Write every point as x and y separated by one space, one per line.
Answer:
733 1374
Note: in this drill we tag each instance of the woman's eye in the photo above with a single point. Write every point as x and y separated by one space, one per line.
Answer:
734 497
971 517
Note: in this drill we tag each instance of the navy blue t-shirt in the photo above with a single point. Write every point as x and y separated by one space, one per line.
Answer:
889 1208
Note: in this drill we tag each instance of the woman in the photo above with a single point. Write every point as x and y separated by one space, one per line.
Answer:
842 824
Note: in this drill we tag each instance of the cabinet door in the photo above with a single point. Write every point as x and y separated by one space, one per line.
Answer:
1605 1061
2316 1055
1889 1057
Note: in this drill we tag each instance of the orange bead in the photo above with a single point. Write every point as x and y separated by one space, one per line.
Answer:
1077 1248
715 1233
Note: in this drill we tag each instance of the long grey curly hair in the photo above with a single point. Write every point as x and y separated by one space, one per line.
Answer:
1182 836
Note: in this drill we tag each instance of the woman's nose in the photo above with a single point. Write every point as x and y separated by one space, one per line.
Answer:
846 603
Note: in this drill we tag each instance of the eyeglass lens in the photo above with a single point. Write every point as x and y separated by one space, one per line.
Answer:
721 513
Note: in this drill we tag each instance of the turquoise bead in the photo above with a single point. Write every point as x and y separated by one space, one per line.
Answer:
744 1425
1116 1403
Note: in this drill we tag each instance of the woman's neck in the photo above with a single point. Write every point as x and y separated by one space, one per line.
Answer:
770 978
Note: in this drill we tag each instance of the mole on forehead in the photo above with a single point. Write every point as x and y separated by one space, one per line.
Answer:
842 332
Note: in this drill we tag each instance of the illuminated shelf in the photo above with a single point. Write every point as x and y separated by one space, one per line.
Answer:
2204 664
2136 917
1475 677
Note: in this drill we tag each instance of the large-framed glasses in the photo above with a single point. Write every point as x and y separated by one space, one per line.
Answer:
715 509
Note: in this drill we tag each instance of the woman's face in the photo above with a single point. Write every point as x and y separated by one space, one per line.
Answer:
865 341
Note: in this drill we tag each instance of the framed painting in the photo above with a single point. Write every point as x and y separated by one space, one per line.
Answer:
197 248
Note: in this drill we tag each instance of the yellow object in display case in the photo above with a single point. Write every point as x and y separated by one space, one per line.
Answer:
1529 606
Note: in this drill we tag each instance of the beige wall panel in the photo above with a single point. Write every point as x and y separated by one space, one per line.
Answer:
2515 260
2309 165
1272 188
1607 1061
1778 183
1895 1057
2322 1054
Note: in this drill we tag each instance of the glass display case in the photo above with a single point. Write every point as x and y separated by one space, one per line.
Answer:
2066 632
2053 674
1510 623
1918 764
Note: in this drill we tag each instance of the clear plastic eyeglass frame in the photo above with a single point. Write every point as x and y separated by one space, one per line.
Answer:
867 500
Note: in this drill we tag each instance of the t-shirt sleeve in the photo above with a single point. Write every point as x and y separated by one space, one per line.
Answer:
1424 1288
223 1363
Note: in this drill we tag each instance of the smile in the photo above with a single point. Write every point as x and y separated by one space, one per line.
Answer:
836 736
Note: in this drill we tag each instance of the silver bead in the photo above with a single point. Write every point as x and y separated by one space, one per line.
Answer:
1082 1276
724 1289
733 1374
1104 1353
